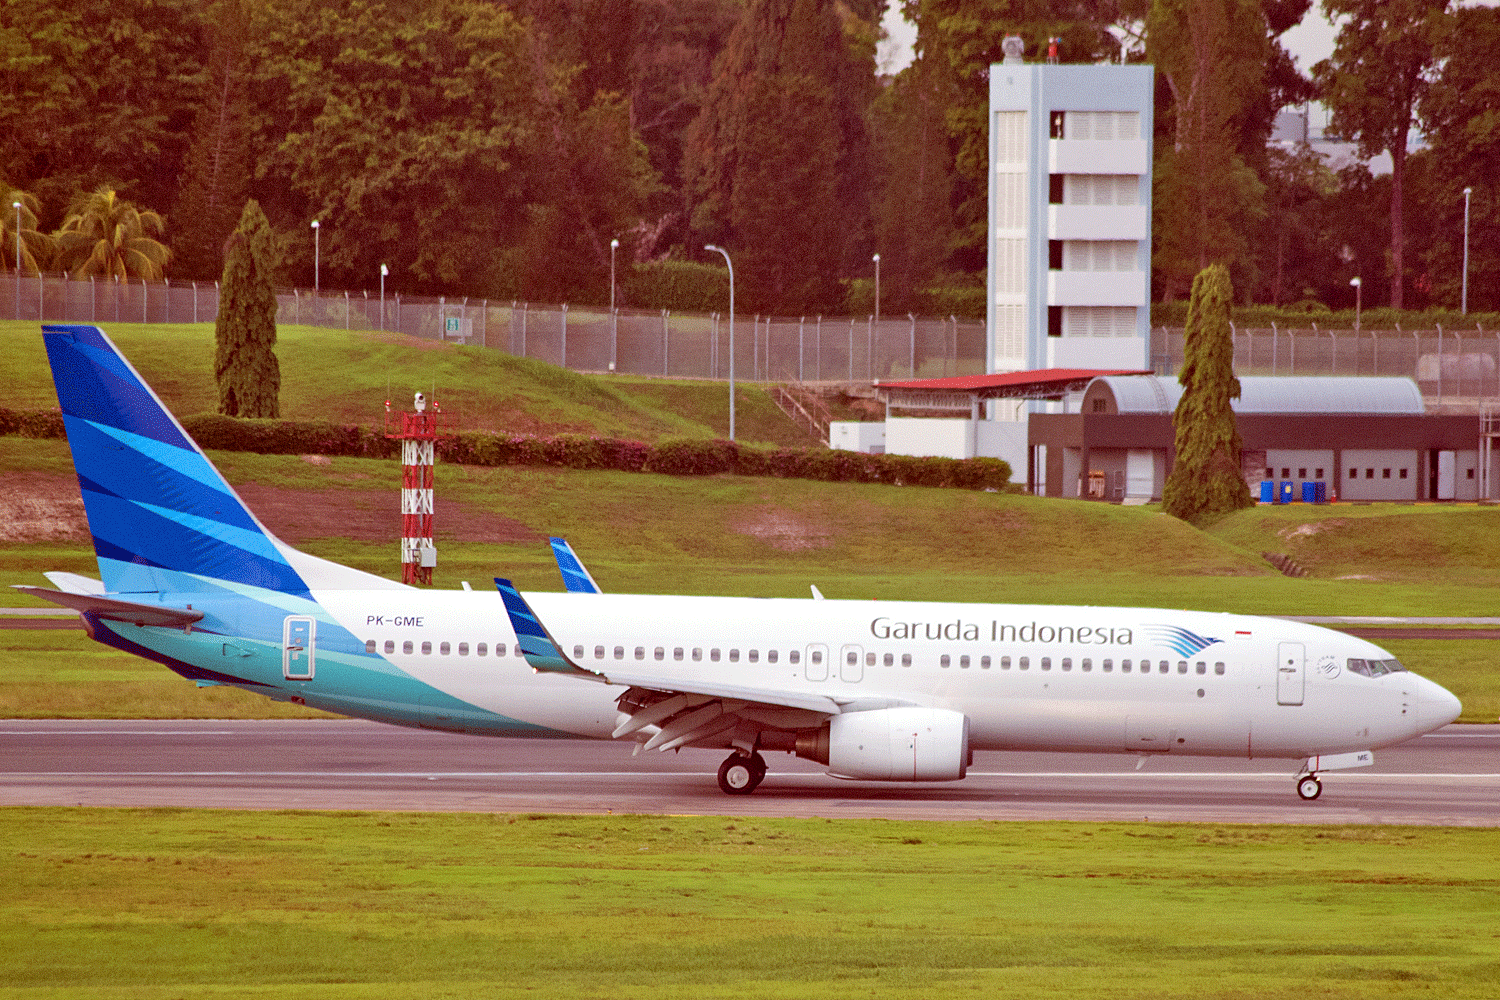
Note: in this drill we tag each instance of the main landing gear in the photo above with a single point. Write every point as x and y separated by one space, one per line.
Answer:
741 774
1309 787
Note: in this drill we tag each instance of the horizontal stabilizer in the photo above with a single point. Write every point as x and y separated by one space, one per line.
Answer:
74 583
116 610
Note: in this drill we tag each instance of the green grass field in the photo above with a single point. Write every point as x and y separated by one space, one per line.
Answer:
172 904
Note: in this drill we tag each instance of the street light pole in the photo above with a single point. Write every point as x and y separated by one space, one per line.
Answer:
729 262
1356 282
17 206
316 248
876 259
614 330
1464 302
383 272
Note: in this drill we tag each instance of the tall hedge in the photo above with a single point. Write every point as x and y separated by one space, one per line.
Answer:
245 365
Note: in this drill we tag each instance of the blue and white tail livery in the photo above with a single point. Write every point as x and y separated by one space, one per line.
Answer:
894 691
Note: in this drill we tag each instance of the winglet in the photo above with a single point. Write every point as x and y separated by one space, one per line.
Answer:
541 651
575 577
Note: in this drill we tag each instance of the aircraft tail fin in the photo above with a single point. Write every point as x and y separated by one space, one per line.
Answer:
161 516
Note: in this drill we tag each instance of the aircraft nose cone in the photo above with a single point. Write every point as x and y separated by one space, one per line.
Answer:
1436 706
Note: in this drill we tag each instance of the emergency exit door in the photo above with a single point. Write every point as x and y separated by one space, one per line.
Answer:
1289 673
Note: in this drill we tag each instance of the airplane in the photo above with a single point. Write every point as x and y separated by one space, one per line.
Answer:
872 690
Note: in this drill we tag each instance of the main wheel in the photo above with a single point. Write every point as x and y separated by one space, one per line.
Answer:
1309 788
738 775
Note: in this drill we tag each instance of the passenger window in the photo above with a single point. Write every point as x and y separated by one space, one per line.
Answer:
890 658
659 653
640 652
619 652
984 663
390 646
906 659
697 653
406 647
869 659
443 649
817 656
577 652
795 656
1046 663
963 662
426 649
713 655
1086 665
1202 667
1108 666
851 657
1163 666
734 656
499 649
1024 662
770 656
369 645
598 652
481 649
944 661
677 652
1182 666
1218 668
1067 663
1124 666
753 655
463 649
1004 663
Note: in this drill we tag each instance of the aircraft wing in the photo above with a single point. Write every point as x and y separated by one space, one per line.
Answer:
115 609
684 711
576 576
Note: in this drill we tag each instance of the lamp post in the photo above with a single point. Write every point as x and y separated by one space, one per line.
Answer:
383 272
17 206
614 330
315 230
1464 302
876 259
729 262
1356 282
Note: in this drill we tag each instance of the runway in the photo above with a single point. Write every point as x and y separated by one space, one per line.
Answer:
1451 777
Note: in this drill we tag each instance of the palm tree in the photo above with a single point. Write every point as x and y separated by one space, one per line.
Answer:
106 235
36 248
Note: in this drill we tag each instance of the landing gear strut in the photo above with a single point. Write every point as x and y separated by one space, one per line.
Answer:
741 774
1309 787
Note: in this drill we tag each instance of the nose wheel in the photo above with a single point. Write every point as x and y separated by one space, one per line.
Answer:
1309 787
741 774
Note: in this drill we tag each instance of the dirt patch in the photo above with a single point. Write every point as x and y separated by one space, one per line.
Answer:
1308 530
785 531
45 507
41 507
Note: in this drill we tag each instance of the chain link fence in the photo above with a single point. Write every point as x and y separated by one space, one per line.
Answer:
643 342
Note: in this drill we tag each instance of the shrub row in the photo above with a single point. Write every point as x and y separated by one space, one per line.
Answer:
674 456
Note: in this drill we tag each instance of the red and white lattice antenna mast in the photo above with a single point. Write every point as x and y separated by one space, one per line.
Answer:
418 432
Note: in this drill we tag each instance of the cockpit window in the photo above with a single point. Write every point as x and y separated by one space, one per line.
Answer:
1375 668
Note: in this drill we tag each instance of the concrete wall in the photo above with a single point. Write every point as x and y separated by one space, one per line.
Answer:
1380 474
944 437
850 435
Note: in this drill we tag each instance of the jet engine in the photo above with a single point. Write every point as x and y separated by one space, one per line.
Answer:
891 744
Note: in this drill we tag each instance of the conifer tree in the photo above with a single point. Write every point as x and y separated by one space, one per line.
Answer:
245 335
1206 480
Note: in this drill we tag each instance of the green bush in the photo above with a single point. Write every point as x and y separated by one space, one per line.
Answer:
675 456
678 285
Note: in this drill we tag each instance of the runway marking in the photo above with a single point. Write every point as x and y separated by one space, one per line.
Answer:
1277 775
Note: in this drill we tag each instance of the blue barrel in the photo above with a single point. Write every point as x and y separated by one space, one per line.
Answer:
1287 493
1267 491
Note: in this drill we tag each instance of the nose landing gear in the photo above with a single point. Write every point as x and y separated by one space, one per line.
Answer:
1309 787
741 774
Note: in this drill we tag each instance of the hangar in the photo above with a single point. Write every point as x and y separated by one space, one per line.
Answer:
1364 438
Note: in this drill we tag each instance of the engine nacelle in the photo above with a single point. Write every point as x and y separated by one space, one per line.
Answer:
891 744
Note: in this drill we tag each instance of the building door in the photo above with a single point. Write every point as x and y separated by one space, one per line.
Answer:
1140 473
1447 475
1289 673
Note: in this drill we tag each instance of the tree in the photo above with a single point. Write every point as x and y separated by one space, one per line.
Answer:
245 365
36 247
105 235
217 172
1373 83
1206 480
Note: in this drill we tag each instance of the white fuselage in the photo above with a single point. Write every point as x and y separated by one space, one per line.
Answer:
1028 677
